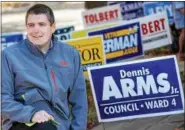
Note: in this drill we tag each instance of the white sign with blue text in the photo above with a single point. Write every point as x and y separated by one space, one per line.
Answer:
64 33
8 39
129 9
160 6
137 89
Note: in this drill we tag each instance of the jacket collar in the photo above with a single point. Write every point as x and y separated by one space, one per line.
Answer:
35 50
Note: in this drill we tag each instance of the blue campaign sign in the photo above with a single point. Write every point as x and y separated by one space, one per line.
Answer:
130 9
121 42
155 7
8 39
64 33
137 89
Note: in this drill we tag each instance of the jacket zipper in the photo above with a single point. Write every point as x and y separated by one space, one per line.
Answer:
49 80
54 80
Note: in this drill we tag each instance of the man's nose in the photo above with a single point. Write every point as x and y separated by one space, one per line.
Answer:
36 28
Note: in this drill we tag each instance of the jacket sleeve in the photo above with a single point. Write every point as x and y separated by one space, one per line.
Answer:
78 96
11 109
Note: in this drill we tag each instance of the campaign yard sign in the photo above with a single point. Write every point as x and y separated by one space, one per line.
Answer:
101 16
121 42
91 51
160 6
8 39
137 89
64 33
154 31
130 9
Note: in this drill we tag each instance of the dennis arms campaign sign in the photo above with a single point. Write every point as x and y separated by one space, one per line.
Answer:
137 89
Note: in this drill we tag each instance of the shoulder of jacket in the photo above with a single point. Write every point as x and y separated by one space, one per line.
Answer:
13 47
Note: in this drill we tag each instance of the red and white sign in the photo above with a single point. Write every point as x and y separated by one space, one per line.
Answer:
153 26
155 31
102 15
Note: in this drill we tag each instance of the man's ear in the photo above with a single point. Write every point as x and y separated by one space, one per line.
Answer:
53 27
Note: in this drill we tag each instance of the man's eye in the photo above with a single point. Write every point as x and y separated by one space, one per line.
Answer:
42 24
31 25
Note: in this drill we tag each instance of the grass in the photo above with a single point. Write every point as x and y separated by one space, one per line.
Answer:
92 116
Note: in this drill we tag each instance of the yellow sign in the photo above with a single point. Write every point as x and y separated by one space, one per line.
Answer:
91 50
84 33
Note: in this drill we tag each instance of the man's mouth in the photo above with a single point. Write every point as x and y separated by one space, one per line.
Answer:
36 36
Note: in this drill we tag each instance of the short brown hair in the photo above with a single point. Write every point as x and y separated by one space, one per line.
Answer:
41 9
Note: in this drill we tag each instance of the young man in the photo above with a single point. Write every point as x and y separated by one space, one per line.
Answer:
40 76
178 13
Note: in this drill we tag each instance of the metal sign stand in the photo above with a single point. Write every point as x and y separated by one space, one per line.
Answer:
103 126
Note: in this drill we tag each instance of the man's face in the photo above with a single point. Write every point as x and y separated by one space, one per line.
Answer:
39 30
